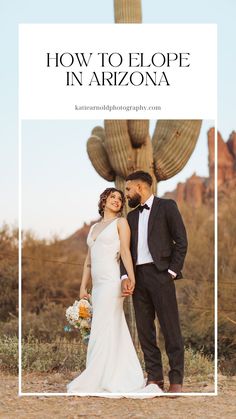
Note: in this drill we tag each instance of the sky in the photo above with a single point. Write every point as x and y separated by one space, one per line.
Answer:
64 189
60 188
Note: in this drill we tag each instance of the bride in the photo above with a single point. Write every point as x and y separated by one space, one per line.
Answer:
112 365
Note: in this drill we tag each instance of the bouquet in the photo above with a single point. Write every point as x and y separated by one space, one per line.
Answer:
79 315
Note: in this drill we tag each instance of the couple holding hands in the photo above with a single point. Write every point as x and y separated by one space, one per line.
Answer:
141 255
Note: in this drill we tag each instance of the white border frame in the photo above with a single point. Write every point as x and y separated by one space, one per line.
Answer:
215 393
20 393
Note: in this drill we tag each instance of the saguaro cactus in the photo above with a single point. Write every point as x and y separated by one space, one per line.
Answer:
124 146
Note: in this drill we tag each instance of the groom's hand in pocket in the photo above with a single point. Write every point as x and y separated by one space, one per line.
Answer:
127 287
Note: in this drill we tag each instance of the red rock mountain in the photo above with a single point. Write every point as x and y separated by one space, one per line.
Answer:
198 190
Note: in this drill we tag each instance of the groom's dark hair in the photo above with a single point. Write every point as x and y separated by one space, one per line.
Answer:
140 175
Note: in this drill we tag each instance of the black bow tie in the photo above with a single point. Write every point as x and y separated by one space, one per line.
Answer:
142 207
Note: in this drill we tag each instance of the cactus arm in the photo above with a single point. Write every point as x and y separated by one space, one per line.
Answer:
138 131
173 143
118 146
99 132
99 158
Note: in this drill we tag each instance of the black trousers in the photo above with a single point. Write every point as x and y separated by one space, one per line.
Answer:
155 293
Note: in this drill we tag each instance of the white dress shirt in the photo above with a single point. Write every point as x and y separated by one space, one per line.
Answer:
143 253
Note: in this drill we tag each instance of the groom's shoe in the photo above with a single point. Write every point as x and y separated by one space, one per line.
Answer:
159 383
175 388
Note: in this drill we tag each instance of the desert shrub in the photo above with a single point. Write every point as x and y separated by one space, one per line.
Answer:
8 272
197 364
9 354
227 345
60 355
63 355
9 328
51 272
48 325
198 331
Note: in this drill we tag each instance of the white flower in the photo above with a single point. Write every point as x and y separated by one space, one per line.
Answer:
84 324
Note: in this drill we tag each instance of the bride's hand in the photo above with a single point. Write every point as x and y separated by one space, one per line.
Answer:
127 287
84 293
132 285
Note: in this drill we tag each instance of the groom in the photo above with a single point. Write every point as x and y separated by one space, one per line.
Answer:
158 247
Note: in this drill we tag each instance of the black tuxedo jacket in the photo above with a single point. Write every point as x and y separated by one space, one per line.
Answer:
167 239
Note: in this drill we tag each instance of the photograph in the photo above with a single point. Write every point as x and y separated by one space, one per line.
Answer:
113 274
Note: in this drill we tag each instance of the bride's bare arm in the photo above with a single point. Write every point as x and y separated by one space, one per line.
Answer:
86 277
124 233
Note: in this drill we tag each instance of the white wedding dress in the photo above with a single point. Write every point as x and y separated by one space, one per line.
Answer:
112 365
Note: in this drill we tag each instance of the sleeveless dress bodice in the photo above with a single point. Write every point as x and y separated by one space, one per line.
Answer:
105 253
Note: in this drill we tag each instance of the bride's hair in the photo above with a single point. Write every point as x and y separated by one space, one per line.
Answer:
103 198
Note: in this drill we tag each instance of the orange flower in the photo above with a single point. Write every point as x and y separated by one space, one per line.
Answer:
84 312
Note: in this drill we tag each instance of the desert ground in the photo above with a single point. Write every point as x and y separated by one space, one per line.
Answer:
12 406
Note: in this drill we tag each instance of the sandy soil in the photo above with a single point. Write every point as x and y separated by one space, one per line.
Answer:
13 406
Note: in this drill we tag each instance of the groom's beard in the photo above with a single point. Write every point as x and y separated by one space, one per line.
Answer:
133 202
